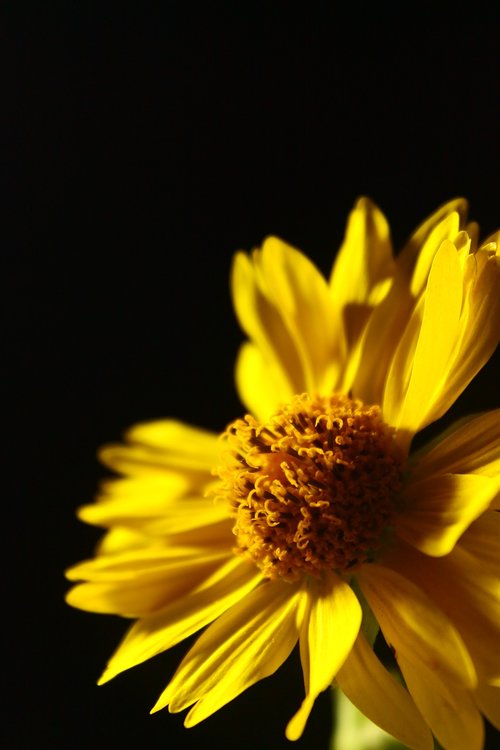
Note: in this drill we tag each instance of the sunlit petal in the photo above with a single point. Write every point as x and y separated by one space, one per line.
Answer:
330 628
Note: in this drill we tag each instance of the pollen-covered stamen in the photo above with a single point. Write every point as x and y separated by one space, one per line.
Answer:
314 488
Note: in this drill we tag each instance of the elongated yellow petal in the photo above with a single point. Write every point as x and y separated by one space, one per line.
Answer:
283 304
135 502
439 509
446 230
247 643
182 617
390 318
378 695
487 698
138 587
416 373
482 540
178 438
479 326
468 593
416 256
363 267
156 447
332 623
446 706
470 446
260 382
414 626
130 564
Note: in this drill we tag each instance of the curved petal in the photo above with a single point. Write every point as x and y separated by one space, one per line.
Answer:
245 644
415 377
151 635
416 256
466 591
363 267
390 318
479 332
330 628
283 304
446 706
148 504
436 511
414 626
163 446
470 446
487 698
482 540
260 383
380 697
140 582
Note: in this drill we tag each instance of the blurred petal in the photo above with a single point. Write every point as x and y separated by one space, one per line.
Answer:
436 511
482 540
260 383
415 627
378 695
145 503
470 446
157 447
487 698
140 582
469 595
446 706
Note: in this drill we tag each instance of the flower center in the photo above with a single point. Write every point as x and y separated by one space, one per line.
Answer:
313 488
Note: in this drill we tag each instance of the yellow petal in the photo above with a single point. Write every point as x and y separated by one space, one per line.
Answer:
139 501
388 322
416 374
470 446
283 304
416 256
479 326
482 540
446 229
330 628
245 644
260 382
436 511
487 698
363 267
380 337
164 445
414 626
181 618
137 584
446 706
132 563
467 592
178 438
378 695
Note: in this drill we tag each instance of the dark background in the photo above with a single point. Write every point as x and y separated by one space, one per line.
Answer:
142 144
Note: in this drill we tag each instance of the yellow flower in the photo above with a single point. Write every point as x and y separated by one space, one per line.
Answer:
310 519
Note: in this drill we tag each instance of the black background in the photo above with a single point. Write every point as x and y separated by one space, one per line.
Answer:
142 144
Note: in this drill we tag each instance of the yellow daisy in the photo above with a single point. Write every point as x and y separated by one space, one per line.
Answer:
311 520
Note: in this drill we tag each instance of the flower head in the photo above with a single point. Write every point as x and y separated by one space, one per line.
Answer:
311 520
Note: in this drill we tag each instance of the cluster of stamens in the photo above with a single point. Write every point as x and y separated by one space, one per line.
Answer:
312 488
